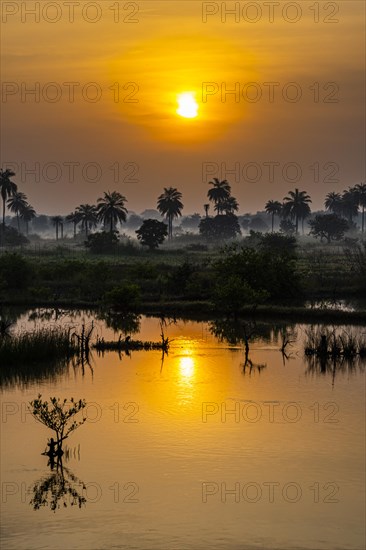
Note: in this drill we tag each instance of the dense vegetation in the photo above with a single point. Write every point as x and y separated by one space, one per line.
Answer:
267 269
210 267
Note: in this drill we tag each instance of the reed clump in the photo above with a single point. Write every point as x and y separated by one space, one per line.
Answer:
324 342
37 346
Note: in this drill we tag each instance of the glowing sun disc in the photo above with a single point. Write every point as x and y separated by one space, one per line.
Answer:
188 107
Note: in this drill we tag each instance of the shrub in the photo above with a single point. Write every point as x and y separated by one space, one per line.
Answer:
15 271
126 297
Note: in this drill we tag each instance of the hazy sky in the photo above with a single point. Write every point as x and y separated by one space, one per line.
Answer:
104 113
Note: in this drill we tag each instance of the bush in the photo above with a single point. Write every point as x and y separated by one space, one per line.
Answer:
15 271
102 243
126 297
219 228
14 238
259 270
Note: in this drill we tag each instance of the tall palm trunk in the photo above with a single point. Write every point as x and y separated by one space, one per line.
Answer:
363 218
3 215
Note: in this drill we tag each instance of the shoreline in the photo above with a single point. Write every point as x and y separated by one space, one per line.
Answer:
204 310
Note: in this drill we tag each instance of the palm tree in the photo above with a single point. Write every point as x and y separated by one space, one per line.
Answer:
170 206
7 189
206 207
111 209
16 203
296 206
360 189
57 221
88 216
333 203
350 203
221 190
74 218
274 208
27 214
229 206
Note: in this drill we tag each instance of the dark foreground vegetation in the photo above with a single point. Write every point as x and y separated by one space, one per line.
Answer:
265 273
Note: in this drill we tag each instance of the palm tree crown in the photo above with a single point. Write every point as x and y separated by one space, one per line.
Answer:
16 203
74 218
111 209
296 206
350 203
333 203
170 206
220 192
274 208
57 221
7 189
27 214
228 205
88 216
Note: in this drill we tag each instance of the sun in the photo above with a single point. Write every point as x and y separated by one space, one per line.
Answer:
187 105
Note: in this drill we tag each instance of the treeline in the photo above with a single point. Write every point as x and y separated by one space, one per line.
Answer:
110 212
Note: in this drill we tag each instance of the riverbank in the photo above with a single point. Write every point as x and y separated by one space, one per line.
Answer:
204 311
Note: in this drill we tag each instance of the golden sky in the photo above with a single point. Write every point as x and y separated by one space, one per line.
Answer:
106 114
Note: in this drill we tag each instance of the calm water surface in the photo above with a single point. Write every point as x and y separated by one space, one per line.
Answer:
194 452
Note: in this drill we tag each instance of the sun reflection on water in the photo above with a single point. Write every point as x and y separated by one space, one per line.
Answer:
186 367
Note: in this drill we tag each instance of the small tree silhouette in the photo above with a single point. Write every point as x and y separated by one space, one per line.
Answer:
58 416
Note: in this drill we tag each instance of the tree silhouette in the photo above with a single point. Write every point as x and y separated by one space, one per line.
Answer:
220 191
170 206
350 203
27 214
296 206
333 203
328 226
57 221
73 218
228 206
7 189
111 209
274 208
152 233
206 207
360 189
220 228
58 415
16 203
88 216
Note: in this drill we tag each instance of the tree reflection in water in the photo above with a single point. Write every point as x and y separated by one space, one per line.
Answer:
127 323
59 489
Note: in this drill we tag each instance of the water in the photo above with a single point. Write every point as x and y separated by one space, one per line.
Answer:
192 452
